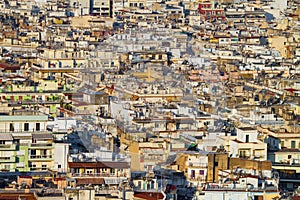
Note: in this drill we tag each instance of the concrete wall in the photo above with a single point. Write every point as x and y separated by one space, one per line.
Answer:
80 194
61 153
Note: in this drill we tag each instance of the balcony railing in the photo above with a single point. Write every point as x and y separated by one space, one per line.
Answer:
99 175
216 188
198 178
5 147
41 146
41 157
7 159
21 130
106 120
197 164
39 169
108 191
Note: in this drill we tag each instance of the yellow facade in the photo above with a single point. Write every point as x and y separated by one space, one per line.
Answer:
278 42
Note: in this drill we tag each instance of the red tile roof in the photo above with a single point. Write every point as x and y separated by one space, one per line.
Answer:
14 196
88 180
9 67
149 195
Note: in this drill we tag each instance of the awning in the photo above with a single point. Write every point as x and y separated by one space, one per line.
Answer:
87 181
292 90
114 181
41 136
6 136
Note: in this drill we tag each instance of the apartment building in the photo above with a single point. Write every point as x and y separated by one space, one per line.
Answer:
54 62
208 11
26 144
245 144
103 8
105 174
80 7
136 3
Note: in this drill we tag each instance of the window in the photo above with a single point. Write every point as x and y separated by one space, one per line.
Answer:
26 126
11 127
32 167
242 154
192 173
113 171
282 144
293 144
59 166
44 152
33 152
37 126
7 167
44 167
140 184
289 156
247 138
2 141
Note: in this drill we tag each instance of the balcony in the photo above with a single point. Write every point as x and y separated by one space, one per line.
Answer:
198 164
41 146
259 189
39 169
258 156
20 131
40 157
106 120
7 147
7 159
99 175
201 178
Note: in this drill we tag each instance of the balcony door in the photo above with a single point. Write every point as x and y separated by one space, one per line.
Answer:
26 126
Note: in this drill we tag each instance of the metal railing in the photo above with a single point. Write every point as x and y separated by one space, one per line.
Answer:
41 145
7 159
7 146
197 164
40 157
217 188
99 175
21 130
